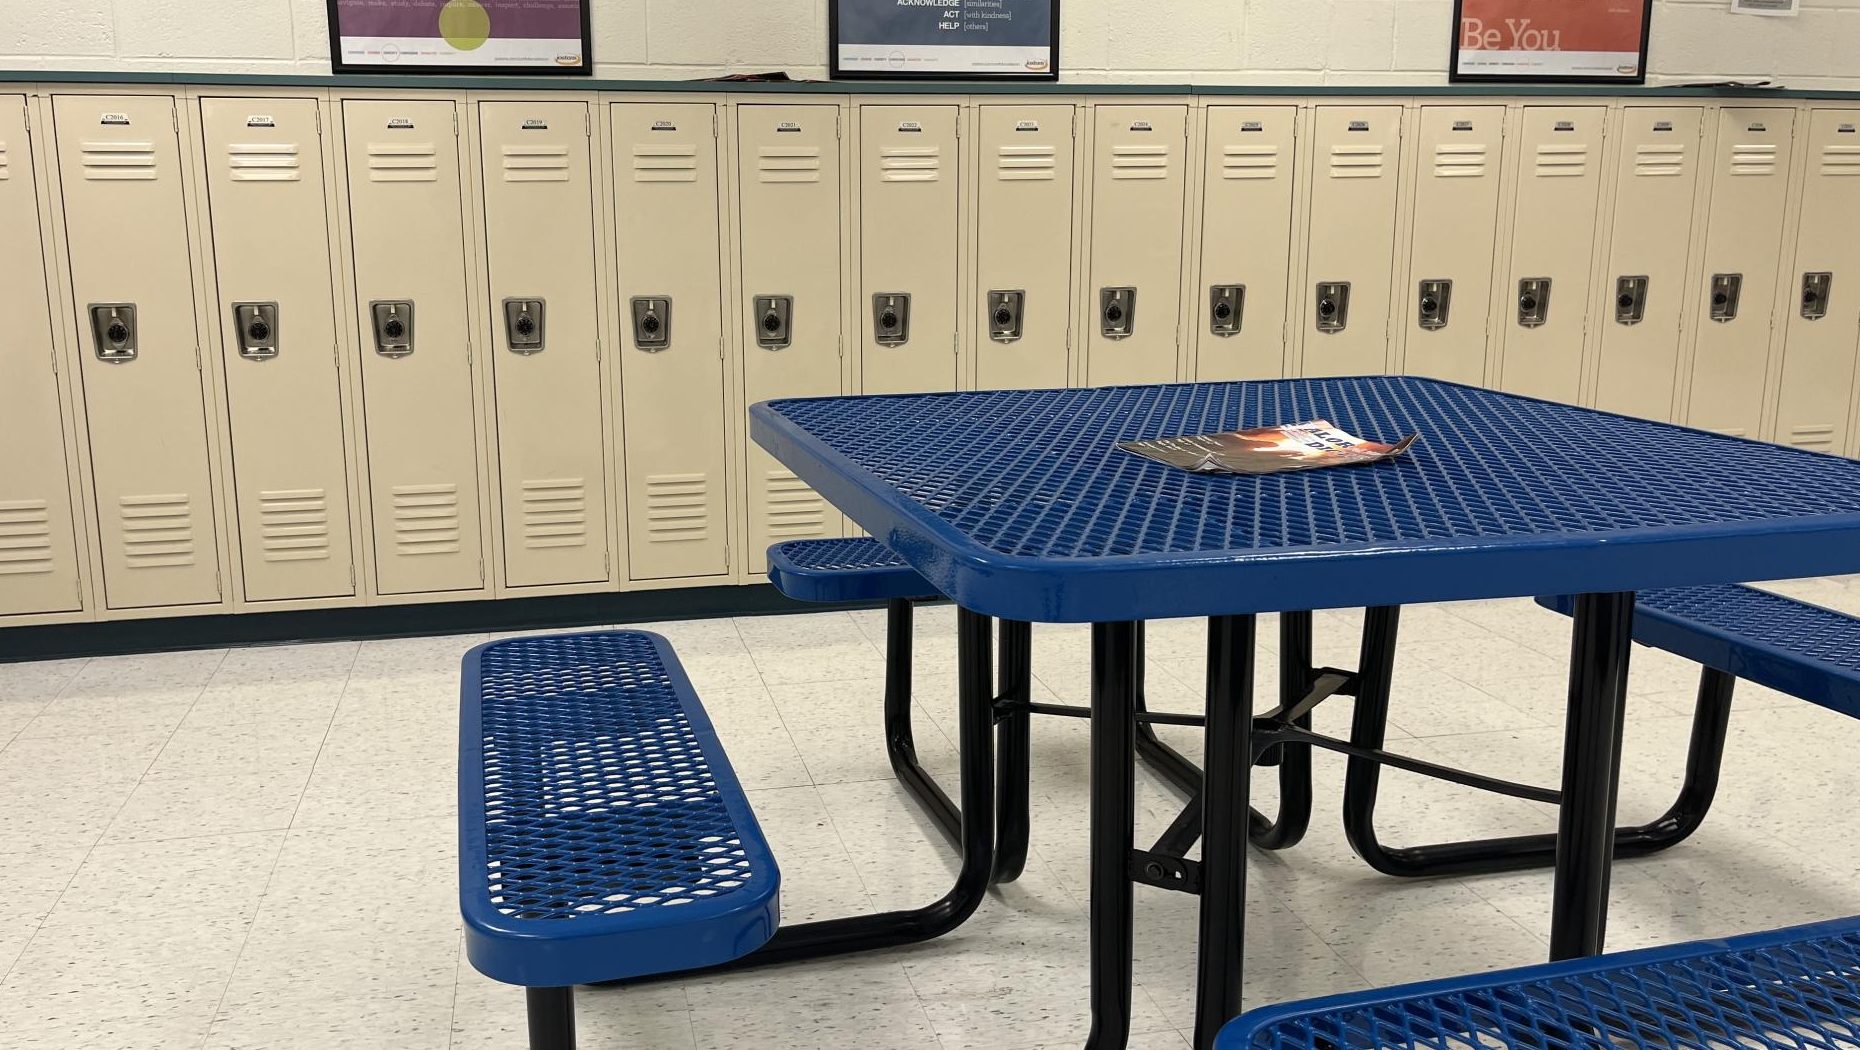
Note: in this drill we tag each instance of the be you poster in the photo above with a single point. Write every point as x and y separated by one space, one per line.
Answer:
1555 40
459 36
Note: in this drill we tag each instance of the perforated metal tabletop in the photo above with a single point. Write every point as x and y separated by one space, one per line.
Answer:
1019 505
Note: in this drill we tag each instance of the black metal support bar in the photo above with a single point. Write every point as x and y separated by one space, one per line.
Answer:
1585 841
900 739
1014 742
1182 832
1224 814
1274 737
552 1018
1116 656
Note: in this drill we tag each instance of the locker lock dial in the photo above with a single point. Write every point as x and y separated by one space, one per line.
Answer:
891 318
1333 305
1226 308
1725 289
1534 301
1816 288
1005 310
773 315
1630 300
1117 312
393 320
113 330
652 322
523 325
257 327
1435 304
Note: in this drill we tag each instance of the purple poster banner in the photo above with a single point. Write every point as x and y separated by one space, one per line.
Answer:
460 36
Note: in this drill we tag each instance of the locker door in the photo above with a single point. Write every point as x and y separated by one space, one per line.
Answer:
1024 200
38 549
271 252
1136 244
407 225
1356 158
908 220
1818 353
1750 188
789 192
1246 243
545 353
1450 261
120 171
666 223
1552 246
1645 275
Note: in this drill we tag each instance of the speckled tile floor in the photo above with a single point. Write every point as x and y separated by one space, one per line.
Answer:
254 848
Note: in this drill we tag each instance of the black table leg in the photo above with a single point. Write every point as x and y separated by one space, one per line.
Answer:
1224 815
1014 751
1591 773
1114 655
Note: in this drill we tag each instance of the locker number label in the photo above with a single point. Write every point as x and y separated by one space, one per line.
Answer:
1027 125
1251 125
910 125
787 126
535 125
1565 125
400 123
1844 129
1141 125
1359 125
1757 127
260 120
1662 125
1462 125
117 119
664 125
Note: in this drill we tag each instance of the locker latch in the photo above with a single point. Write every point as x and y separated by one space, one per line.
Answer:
891 318
773 320
1226 308
1725 288
1005 310
1117 312
113 330
1630 299
652 322
523 325
257 325
393 326
1816 287
1333 305
1436 301
1534 301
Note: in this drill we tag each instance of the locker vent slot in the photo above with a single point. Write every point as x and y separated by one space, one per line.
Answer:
118 161
555 513
25 537
1819 436
1249 162
1835 160
426 519
1356 162
1026 164
910 163
263 162
1562 161
294 524
5 172
1459 160
1753 158
665 163
794 509
1656 159
1139 162
788 164
158 531
677 508
403 162
535 163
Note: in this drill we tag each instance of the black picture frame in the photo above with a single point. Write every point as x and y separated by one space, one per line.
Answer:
337 65
1454 76
836 73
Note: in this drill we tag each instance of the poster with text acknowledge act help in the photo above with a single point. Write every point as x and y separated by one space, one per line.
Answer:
945 39
1551 40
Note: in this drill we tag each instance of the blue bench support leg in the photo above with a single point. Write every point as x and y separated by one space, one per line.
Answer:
552 1018
900 738
1228 743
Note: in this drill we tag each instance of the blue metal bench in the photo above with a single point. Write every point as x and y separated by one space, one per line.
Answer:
1797 988
602 833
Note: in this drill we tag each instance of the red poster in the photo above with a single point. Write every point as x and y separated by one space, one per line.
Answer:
1551 39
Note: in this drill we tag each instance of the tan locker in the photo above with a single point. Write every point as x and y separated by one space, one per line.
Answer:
277 319
1823 332
545 347
1644 277
138 349
1743 251
788 186
1135 291
409 240
1455 224
1023 247
908 221
38 549
1246 242
666 224
1546 291
1356 161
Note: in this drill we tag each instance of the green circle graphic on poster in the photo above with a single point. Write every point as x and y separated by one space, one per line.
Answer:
465 24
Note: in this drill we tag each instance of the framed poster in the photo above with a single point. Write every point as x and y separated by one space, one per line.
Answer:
1561 41
943 39
529 37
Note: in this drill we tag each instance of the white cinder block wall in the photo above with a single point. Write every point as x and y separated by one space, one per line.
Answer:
1202 41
